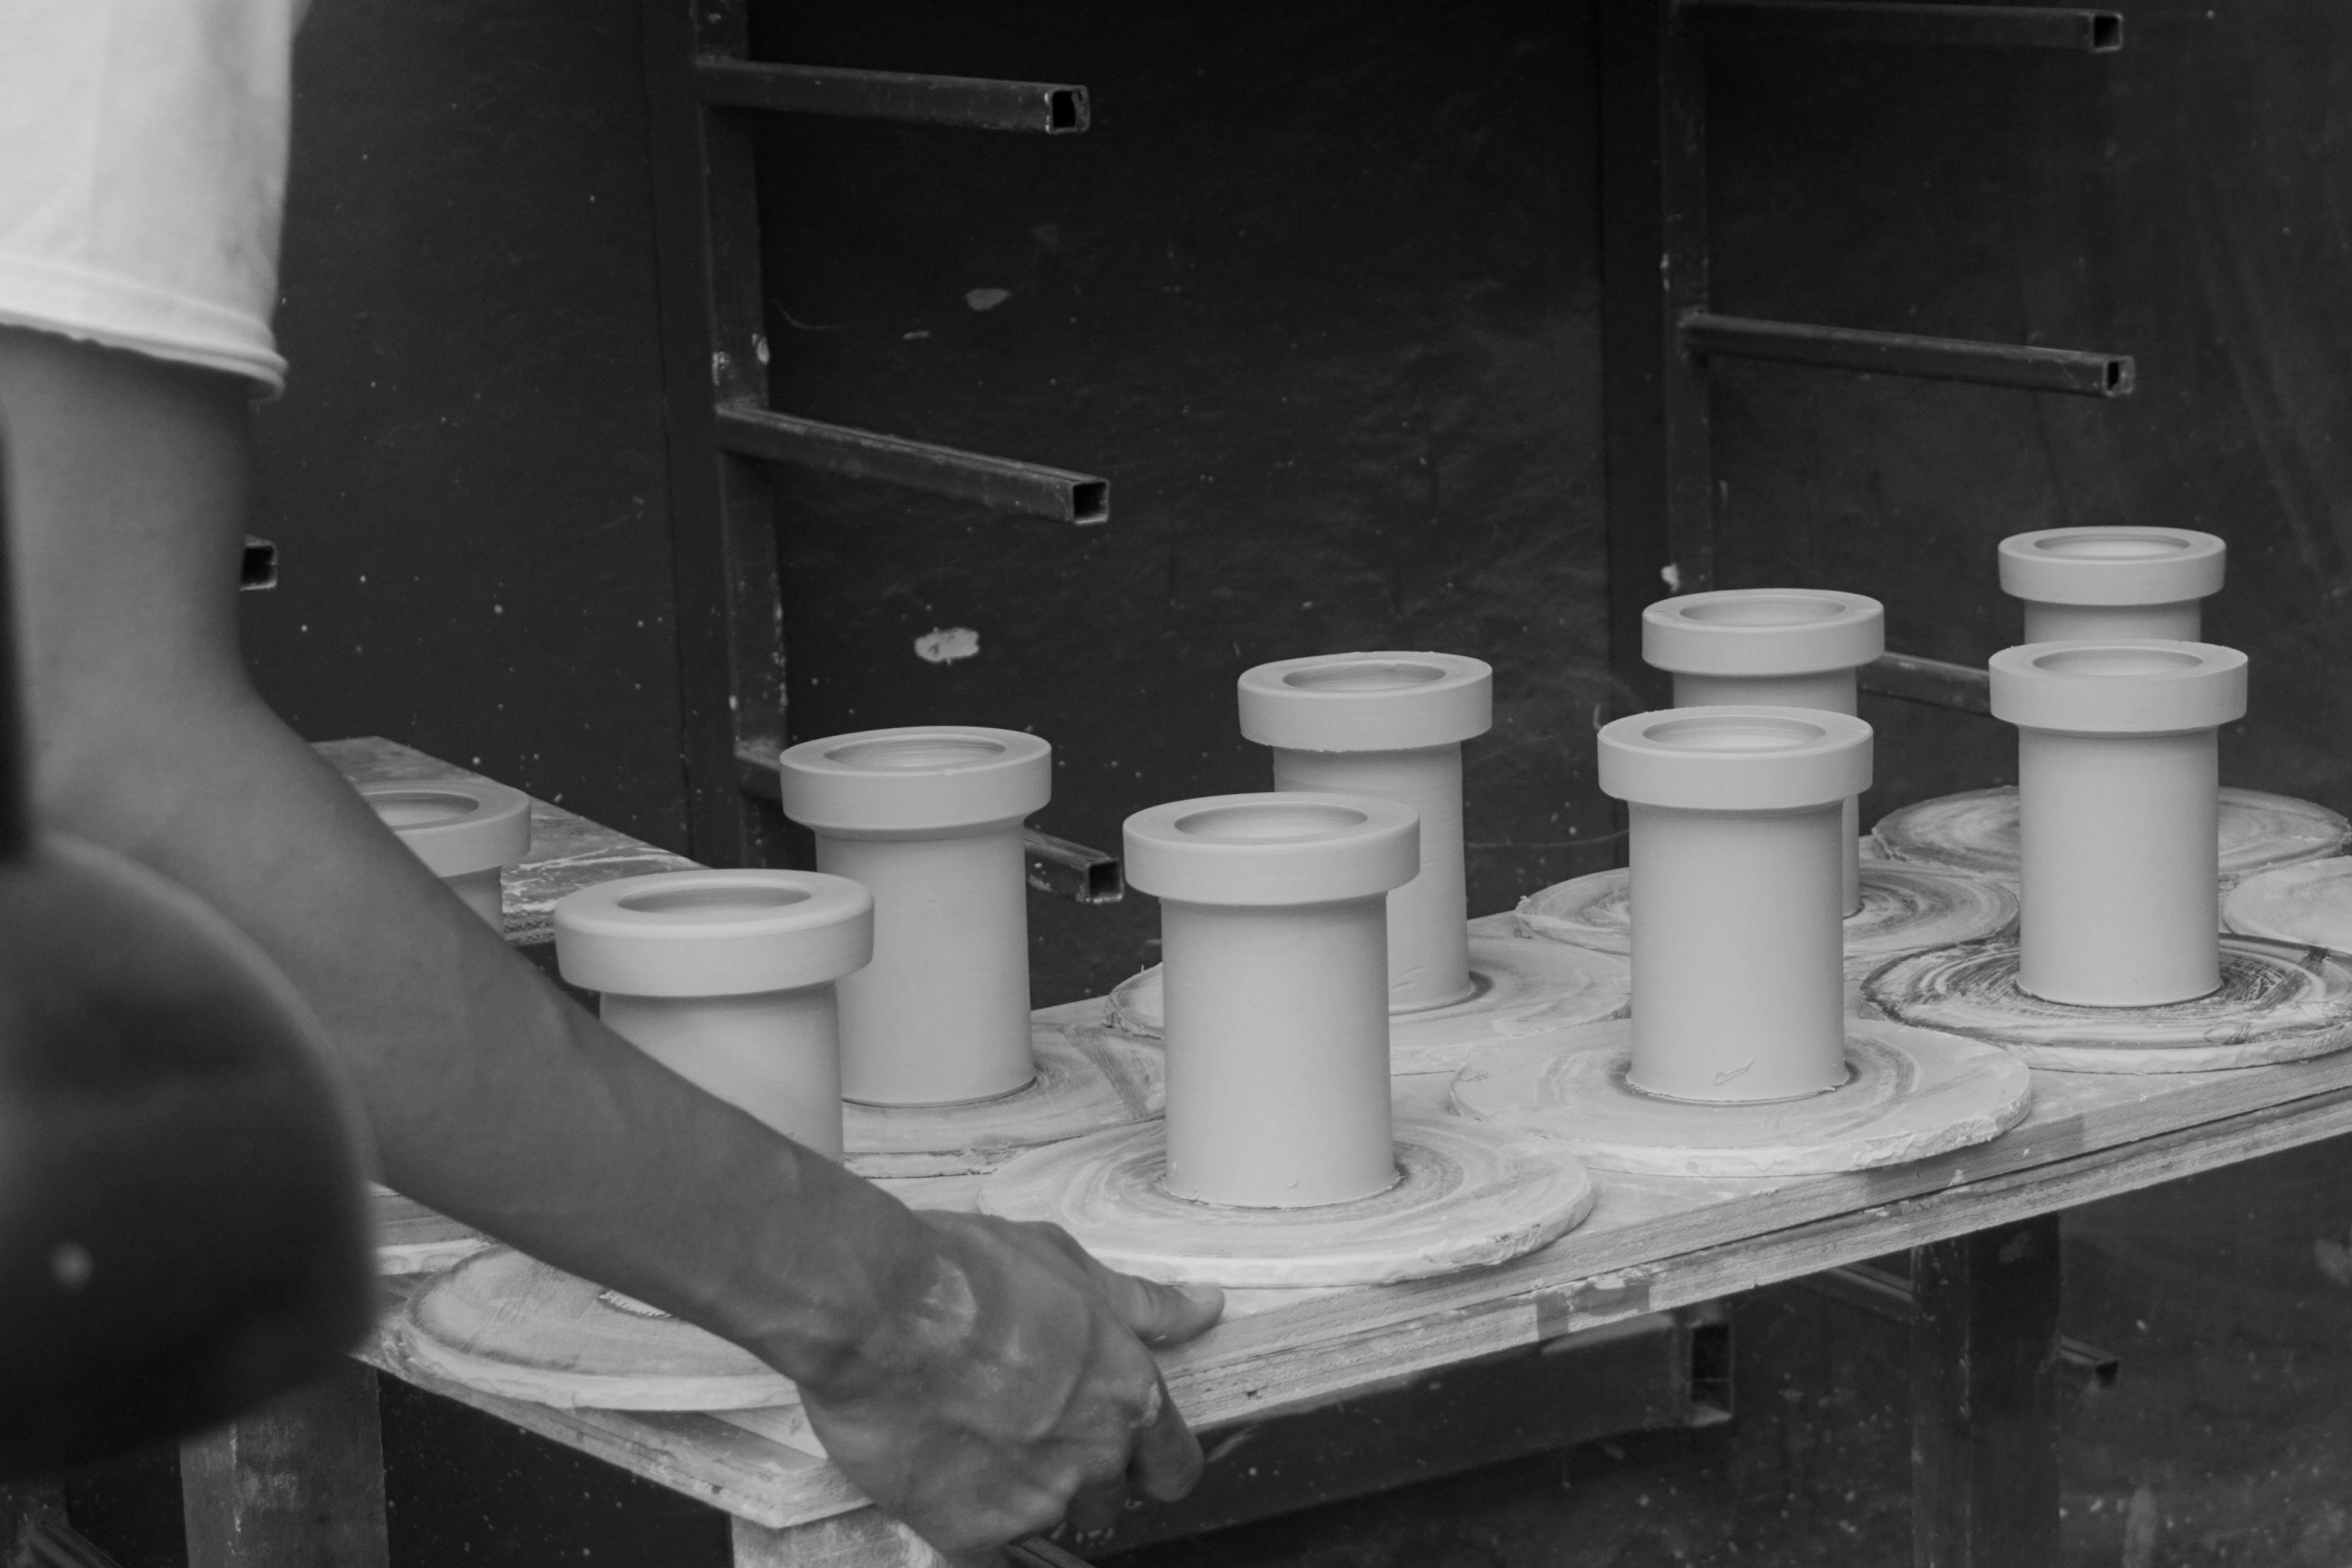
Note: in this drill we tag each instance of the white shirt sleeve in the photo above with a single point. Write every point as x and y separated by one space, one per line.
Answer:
142 174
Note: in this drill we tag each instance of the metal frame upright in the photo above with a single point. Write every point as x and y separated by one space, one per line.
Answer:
703 93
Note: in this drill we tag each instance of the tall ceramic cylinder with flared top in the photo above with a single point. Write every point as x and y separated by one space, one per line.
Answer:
1737 816
1389 725
1771 647
465 830
727 978
2121 582
928 818
2118 781
1275 943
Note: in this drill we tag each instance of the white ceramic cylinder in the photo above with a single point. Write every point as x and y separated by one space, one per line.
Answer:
2118 815
1274 954
2112 583
465 830
1771 647
726 977
928 818
1737 918
1389 725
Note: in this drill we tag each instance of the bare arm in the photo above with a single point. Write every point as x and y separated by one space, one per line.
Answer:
974 1377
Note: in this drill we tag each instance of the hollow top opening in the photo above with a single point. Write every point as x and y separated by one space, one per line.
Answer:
1363 676
2118 662
423 808
2117 545
713 902
1268 822
917 752
1763 610
1735 732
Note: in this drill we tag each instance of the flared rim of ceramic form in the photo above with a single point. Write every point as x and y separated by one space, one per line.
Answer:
915 779
2308 903
1735 758
1904 909
509 1325
2118 686
2277 1002
1468 1195
411 1239
2125 564
1913 1093
1977 830
455 826
713 933
1368 702
1525 985
1087 1079
1272 847
1763 632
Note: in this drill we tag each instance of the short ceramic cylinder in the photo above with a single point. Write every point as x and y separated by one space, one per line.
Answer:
2118 815
1274 952
727 978
1738 920
1771 647
465 830
928 818
1389 724
2121 582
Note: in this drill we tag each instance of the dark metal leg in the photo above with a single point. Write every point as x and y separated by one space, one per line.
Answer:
1984 1433
297 1483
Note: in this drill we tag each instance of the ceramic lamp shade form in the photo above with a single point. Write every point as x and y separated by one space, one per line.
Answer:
727 978
1389 725
1738 853
1273 929
1771 647
2119 781
2121 582
929 820
465 830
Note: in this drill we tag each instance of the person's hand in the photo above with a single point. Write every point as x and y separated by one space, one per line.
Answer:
1007 1388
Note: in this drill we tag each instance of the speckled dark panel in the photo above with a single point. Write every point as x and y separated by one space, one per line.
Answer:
1315 293
465 476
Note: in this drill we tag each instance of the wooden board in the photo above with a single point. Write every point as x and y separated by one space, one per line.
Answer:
1977 830
512 1325
568 852
1904 909
2309 904
1913 1093
411 1239
1089 1078
2277 1003
1525 986
1468 1195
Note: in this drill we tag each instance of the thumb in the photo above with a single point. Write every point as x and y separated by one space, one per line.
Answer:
1162 1314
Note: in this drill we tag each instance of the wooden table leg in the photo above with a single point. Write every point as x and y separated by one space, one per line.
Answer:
1984 1429
296 1483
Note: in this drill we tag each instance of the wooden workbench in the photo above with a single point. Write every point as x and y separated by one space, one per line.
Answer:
1981 1222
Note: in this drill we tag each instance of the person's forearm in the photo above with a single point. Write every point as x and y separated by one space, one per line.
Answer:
489 1094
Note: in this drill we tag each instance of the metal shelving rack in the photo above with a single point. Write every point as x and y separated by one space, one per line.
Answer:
1659 335
703 93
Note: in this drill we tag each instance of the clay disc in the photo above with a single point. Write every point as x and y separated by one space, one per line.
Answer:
2309 904
1977 831
510 1325
1904 909
1912 1093
1469 1195
1087 1079
411 1239
1525 986
2277 1002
